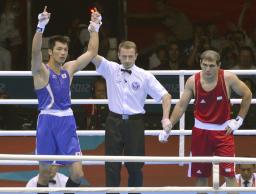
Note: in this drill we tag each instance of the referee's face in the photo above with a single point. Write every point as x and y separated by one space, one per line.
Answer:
127 57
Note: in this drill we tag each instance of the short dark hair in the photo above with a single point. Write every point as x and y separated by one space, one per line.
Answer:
58 38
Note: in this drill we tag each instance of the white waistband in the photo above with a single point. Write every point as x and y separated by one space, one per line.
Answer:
210 126
58 113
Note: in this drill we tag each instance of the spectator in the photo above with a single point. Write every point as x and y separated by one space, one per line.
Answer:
56 179
96 114
250 118
213 34
229 58
5 59
177 24
246 177
112 52
246 59
174 58
200 43
75 47
8 113
160 40
159 58
10 37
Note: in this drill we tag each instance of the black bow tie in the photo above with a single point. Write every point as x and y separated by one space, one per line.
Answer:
127 71
246 183
52 181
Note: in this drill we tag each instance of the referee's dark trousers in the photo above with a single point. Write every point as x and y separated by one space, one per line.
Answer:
124 136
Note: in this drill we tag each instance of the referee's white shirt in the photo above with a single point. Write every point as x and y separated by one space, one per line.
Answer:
60 179
127 92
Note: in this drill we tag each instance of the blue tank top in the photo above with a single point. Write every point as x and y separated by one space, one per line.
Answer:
56 95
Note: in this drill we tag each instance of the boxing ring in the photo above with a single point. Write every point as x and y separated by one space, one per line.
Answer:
21 159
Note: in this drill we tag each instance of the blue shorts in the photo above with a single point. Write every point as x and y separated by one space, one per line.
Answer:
57 136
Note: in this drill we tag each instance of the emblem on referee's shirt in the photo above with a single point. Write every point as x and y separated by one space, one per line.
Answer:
135 85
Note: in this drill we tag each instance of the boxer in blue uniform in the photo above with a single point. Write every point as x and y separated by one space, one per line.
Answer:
56 126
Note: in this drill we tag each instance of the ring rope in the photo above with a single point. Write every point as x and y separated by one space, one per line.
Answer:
162 72
214 159
126 189
102 132
182 120
87 163
101 101
180 73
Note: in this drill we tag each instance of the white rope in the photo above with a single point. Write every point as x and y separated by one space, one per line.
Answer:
215 176
102 132
87 163
214 159
73 101
126 189
161 72
215 188
100 101
182 120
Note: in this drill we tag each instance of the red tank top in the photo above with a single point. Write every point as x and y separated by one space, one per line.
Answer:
213 106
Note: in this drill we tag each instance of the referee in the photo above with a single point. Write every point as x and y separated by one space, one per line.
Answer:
127 89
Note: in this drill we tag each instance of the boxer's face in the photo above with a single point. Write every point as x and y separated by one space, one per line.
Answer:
209 68
59 52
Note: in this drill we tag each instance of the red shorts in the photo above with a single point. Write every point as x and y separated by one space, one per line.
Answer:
212 143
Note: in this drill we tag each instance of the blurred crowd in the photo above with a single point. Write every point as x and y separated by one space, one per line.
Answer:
181 43
177 47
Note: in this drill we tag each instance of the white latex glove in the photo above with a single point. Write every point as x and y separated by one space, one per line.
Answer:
163 136
234 124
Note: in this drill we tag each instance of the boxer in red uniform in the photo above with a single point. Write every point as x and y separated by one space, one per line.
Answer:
212 134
